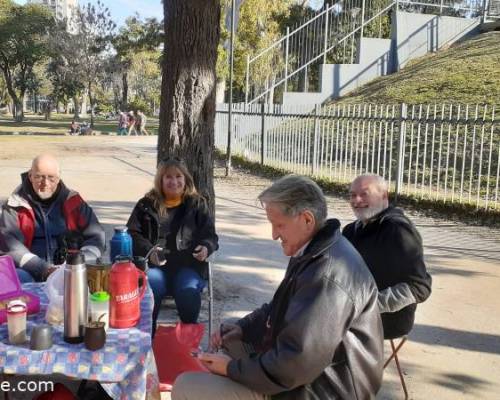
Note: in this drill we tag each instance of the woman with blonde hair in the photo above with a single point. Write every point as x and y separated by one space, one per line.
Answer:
174 216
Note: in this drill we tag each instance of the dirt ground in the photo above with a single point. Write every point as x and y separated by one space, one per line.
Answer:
454 349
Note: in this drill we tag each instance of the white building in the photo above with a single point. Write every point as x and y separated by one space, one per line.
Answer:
64 10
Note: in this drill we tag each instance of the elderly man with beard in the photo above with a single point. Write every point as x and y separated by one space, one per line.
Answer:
392 248
41 216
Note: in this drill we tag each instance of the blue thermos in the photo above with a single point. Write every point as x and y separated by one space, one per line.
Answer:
120 244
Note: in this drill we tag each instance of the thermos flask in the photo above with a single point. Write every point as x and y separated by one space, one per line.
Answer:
75 297
120 244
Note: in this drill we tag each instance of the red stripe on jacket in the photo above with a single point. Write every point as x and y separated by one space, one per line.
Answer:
72 216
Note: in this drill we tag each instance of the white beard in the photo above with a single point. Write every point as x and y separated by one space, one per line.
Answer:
44 195
364 214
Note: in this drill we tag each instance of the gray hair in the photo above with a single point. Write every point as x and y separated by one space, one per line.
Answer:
294 194
380 182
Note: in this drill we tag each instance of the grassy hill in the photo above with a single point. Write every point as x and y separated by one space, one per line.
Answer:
467 72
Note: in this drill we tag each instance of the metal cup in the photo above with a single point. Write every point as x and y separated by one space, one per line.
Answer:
41 337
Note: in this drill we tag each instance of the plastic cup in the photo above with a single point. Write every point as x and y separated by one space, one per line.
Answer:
16 321
99 308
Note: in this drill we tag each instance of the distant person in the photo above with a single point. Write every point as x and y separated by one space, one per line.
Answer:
85 129
320 337
141 123
392 248
122 124
131 123
174 214
42 218
74 128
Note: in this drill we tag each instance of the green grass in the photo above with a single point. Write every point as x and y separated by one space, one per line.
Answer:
59 125
467 73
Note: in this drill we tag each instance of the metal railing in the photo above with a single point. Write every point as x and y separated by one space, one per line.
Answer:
333 36
448 153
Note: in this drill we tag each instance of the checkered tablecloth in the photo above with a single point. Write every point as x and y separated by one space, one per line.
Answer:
125 366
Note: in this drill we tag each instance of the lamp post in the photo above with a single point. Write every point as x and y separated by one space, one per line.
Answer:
230 114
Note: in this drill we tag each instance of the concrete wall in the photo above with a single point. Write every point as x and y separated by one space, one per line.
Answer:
338 79
415 35
375 60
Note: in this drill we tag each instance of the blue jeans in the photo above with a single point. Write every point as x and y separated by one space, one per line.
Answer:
24 276
184 284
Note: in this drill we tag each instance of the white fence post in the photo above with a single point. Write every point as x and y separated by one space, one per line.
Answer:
314 158
263 136
401 150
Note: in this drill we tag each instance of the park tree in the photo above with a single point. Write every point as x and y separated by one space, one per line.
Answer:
4 94
24 33
135 37
64 69
187 110
145 79
92 42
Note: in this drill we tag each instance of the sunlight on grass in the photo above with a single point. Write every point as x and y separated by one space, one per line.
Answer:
467 73
59 125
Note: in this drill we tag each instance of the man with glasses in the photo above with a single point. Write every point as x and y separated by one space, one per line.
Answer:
43 218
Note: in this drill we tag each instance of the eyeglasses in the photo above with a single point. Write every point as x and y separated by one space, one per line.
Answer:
49 178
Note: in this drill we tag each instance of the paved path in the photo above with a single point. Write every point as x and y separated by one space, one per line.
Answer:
454 349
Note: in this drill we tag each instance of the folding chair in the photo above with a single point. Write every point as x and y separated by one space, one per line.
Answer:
210 297
394 356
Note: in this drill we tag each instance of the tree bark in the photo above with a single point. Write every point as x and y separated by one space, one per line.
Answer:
17 101
187 109
91 101
19 111
76 105
124 105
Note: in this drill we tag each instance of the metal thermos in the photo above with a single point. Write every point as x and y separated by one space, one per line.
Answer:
75 297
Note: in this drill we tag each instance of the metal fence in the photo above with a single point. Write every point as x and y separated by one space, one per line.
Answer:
446 152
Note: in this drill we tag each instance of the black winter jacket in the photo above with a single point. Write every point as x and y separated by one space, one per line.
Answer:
392 248
323 328
196 228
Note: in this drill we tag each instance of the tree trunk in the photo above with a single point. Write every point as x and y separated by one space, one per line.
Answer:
37 105
124 105
83 105
48 108
76 104
91 101
19 110
17 101
187 109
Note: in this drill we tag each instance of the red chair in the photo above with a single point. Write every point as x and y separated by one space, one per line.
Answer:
394 356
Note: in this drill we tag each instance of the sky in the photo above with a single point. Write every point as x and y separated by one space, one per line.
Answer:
121 9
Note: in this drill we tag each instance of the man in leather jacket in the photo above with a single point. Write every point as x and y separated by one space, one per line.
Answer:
321 335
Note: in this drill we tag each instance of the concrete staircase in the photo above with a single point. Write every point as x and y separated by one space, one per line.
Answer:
413 35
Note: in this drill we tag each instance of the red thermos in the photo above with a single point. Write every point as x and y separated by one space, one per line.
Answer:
126 296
